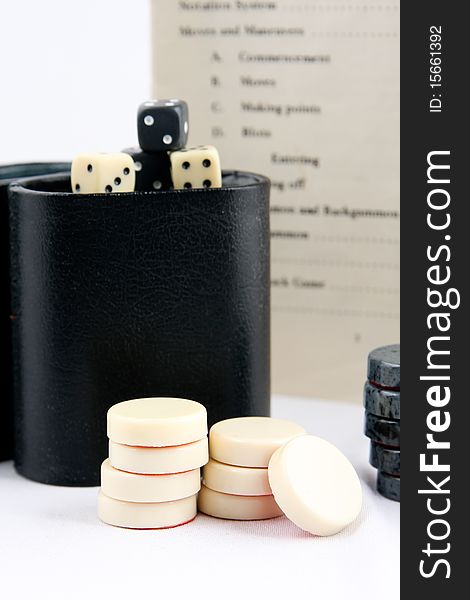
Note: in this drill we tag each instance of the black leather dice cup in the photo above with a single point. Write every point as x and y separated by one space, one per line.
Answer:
120 296
9 173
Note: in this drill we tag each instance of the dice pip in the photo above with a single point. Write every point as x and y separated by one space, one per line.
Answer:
162 125
102 173
197 167
152 171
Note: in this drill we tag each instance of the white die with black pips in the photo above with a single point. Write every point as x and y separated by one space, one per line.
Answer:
96 173
197 167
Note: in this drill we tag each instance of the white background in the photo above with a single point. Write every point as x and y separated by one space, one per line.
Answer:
72 76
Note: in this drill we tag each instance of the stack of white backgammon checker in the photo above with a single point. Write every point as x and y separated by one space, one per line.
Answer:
235 481
152 476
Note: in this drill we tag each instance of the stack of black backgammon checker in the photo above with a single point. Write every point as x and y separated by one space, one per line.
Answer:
382 421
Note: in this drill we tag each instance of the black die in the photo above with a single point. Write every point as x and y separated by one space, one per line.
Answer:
152 171
162 125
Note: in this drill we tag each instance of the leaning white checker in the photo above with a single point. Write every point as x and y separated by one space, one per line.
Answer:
132 487
238 508
157 422
146 515
102 173
250 441
315 485
240 481
170 459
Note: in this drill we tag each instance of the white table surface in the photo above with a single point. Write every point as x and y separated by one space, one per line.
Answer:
53 546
